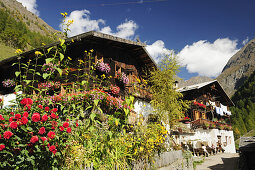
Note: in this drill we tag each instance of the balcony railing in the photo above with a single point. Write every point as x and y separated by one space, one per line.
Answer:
206 124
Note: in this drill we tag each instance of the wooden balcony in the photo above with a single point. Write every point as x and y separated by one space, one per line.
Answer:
208 124
139 91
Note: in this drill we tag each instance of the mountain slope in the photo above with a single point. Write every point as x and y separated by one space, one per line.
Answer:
21 29
238 68
193 80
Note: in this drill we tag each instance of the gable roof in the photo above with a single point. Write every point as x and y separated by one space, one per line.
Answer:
97 37
199 86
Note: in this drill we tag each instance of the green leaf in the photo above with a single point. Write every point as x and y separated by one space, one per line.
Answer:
92 116
61 56
27 81
59 71
48 60
84 82
96 102
49 49
39 74
17 73
45 75
62 41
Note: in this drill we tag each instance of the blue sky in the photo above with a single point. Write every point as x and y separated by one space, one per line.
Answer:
204 33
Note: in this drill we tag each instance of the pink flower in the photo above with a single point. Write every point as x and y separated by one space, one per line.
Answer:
41 130
65 124
34 139
36 117
68 130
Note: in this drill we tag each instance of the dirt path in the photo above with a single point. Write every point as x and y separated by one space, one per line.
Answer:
224 161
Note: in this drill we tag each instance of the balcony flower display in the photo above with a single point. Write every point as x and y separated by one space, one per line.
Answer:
114 89
195 103
49 68
102 67
49 85
122 77
8 83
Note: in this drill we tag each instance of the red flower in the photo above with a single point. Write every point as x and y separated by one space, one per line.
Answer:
54 110
54 123
53 116
1 117
41 130
51 134
17 116
12 113
40 106
0 136
43 139
61 128
13 125
27 107
53 149
65 124
7 134
76 124
11 119
47 109
36 117
2 147
34 139
68 130
44 118
25 114
24 120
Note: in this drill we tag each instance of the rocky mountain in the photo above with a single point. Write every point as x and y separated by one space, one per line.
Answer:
33 22
193 80
238 68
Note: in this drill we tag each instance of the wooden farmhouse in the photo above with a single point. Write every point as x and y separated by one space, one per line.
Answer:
207 122
121 56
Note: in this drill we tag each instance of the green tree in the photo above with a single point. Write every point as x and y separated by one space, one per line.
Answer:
166 101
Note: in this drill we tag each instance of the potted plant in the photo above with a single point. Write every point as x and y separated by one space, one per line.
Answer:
121 79
102 67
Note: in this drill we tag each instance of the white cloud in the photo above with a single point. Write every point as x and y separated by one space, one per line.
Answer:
208 59
30 5
245 41
83 23
158 50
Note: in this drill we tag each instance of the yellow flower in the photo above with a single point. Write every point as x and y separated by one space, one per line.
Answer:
43 44
38 53
18 51
116 122
91 50
138 80
81 61
63 14
85 51
72 40
103 76
69 58
141 149
70 21
110 77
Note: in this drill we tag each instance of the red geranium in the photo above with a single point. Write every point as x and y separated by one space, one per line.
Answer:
76 124
26 101
65 124
8 134
25 114
17 116
54 110
13 125
1 117
44 118
2 147
11 119
24 120
68 130
36 117
43 139
41 130
53 149
51 134
47 109
34 139
61 128
40 106
53 116
27 107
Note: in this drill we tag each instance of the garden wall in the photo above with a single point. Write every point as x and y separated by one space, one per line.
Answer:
167 161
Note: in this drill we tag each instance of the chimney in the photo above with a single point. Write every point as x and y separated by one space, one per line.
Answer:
176 84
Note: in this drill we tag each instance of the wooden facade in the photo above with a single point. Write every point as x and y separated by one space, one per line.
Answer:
123 56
